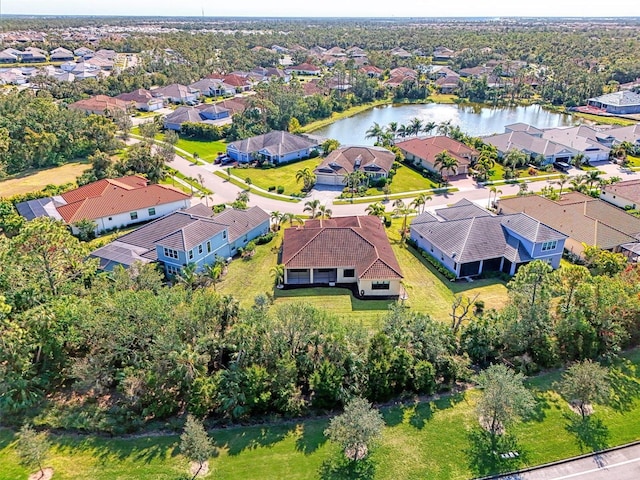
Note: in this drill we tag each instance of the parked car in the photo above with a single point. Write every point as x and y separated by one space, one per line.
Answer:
563 166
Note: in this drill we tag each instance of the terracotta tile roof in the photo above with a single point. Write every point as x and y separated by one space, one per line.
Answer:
629 190
428 148
113 196
99 103
236 81
352 242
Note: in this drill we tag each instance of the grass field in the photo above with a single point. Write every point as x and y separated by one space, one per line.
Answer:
207 151
284 175
35 180
421 440
428 290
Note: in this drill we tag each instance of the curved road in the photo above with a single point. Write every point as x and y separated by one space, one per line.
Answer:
226 192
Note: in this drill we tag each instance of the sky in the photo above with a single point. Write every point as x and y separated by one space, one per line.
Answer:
325 8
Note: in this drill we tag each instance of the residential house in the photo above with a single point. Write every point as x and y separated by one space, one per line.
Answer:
624 194
61 55
303 69
584 219
234 105
204 113
442 54
110 203
469 241
142 99
336 52
371 71
213 87
475 72
33 55
425 151
176 93
277 147
403 72
581 138
617 135
617 103
533 145
194 235
268 73
356 52
375 162
84 53
400 52
349 251
238 82
7 56
102 63
100 105
448 84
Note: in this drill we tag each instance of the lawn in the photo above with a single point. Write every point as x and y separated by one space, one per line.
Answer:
36 180
406 179
206 150
284 175
422 439
428 291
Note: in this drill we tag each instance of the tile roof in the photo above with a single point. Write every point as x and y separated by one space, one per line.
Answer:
192 234
140 95
113 196
347 159
357 242
462 209
582 138
585 219
99 103
276 143
183 115
240 222
621 98
428 148
529 143
629 189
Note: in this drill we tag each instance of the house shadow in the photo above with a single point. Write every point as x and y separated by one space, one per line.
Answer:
590 432
419 412
340 468
490 456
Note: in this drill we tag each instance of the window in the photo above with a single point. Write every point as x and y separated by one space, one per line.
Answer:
134 215
546 246
208 247
110 218
199 249
349 273
172 270
170 253
190 254
380 285
224 234
152 211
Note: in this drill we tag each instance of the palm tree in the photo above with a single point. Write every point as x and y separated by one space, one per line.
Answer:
403 131
277 218
375 131
308 178
514 158
577 183
188 276
354 179
495 192
420 201
578 160
561 182
375 210
312 207
323 212
429 127
392 128
592 178
404 211
212 272
444 128
277 272
416 126
446 163
483 165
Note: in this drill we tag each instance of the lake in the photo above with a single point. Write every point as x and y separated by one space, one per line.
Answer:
472 120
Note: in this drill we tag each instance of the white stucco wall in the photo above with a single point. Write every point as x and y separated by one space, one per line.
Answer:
616 199
124 219
364 285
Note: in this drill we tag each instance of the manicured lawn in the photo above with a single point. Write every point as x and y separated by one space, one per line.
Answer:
442 98
633 161
284 176
428 291
406 180
421 440
207 151
254 190
35 180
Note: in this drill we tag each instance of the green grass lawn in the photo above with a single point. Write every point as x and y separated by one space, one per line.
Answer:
406 179
421 440
206 150
428 290
284 175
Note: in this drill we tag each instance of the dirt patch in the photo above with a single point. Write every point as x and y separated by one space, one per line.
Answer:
204 471
45 474
587 408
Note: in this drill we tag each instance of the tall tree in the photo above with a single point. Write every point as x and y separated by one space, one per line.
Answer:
504 398
585 383
356 428
444 162
195 443
32 448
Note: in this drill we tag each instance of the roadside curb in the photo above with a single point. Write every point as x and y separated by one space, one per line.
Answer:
557 462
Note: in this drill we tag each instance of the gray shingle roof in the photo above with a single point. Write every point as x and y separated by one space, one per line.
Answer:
276 143
184 114
462 209
240 222
191 235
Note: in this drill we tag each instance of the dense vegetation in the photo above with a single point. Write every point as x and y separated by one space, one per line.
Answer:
111 352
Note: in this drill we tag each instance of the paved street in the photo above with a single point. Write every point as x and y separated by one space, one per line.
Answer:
623 464
225 192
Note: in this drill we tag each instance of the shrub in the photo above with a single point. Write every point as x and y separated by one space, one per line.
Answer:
280 189
272 188
266 238
435 263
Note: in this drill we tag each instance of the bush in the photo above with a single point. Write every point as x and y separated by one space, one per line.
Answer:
387 221
280 189
433 261
266 238
272 188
